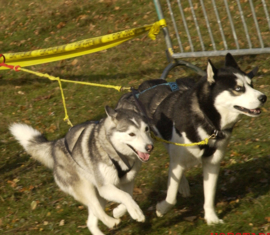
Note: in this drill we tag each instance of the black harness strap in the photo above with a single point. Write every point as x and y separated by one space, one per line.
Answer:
121 173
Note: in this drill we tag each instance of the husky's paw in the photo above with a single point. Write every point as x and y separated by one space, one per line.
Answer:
163 207
112 222
136 213
119 211
184 189
213 219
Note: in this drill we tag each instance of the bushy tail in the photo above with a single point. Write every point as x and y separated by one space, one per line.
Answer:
34 143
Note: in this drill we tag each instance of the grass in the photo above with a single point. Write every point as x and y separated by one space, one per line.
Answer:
31 203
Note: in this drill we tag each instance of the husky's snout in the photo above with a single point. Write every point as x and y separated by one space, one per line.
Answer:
262 98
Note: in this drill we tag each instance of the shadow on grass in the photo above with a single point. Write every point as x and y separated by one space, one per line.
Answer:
28 79
243 182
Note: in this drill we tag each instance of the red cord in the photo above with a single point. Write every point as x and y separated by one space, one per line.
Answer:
16 68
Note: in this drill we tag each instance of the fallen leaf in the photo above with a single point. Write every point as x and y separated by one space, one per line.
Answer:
82 226
62 222
190 218
74 62
34 205
137 191
46 97
61 25
21 92
267 218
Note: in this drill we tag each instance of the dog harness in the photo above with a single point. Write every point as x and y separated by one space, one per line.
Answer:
121 173
172 85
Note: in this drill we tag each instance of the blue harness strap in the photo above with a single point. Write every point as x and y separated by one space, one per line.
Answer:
172 85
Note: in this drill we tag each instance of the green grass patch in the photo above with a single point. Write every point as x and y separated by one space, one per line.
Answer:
32 204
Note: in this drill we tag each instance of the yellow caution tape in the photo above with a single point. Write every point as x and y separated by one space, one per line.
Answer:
155 29
80 48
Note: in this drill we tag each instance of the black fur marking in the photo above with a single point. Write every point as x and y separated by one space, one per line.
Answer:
38 139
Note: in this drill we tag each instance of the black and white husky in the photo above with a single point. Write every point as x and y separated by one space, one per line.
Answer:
95 162
192 113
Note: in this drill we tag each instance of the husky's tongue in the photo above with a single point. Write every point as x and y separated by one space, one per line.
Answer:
143 156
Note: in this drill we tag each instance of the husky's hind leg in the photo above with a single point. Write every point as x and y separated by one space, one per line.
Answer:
92 223
184 189
86 193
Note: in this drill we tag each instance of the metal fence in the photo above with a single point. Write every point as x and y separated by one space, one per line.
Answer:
199 28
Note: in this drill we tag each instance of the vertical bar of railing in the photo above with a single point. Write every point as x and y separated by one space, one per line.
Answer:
256 23
196 24
232 25
220 25
266 13
244 23
208 25
185 25
175 26
164 29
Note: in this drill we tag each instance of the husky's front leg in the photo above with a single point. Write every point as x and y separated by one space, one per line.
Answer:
112 193
175 174
210 177
121 209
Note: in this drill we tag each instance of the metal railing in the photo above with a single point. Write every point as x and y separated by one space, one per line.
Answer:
214 28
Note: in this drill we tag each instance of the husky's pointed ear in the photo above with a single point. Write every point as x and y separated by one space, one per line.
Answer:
253 73
211 72
110 112
230 61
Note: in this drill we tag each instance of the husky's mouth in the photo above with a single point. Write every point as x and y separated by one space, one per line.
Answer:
144 157
253 112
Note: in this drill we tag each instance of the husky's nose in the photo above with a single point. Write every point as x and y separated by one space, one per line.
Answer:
262 98
149 148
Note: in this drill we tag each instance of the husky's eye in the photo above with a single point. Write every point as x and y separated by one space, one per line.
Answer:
239 88
131 134
146 128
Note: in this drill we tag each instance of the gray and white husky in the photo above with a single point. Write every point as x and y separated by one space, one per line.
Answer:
95 162
192 113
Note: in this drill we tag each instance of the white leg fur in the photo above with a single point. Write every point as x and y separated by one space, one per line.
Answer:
112 193
86 193
121 209
210 176
92 223
175 174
